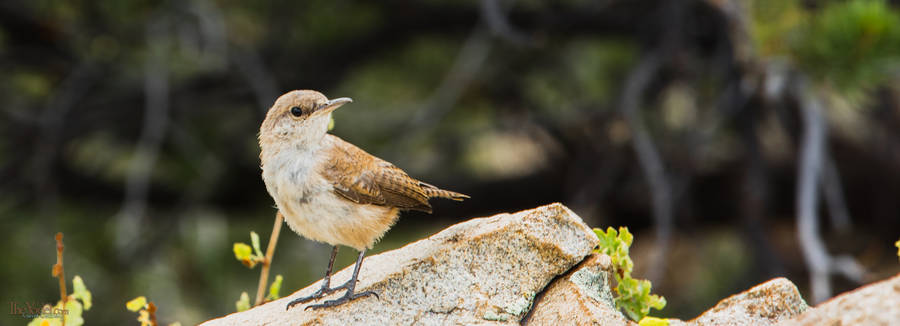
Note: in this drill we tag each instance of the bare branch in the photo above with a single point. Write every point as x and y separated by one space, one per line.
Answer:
809 168
493 14
649 158
468 63
211 26
156 90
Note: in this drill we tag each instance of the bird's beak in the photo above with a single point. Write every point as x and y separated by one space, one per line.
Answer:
333 104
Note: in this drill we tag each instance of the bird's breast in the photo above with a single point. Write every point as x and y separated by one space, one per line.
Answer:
311 207
290 176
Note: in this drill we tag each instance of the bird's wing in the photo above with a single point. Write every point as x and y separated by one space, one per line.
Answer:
365 179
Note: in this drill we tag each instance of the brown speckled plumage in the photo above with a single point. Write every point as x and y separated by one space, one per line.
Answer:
366 179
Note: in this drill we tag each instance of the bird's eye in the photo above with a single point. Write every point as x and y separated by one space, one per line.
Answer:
296 111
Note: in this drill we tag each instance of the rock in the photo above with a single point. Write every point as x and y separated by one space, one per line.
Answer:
873 304
764 304
485 271
580 297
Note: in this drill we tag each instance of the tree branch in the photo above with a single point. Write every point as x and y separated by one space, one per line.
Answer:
493 14
809 168
156 90
649 158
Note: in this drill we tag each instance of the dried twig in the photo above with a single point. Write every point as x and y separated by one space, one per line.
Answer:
270 251
151 313
58 272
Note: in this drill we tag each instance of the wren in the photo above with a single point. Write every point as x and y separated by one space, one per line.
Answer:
330 190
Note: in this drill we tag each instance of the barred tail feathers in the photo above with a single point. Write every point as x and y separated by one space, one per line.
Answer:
432 192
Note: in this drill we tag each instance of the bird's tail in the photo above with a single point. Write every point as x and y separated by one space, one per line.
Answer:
432 192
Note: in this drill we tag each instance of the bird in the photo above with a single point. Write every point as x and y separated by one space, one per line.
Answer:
329 190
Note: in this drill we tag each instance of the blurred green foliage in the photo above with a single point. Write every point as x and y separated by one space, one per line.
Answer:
275 288
243 303
852 45
72 314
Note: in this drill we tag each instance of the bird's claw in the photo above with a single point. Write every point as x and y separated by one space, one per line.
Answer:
342 300
320 293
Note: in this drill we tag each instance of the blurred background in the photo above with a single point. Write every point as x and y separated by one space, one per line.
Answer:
738 140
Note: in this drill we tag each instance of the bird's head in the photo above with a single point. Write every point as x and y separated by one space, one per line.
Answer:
299 116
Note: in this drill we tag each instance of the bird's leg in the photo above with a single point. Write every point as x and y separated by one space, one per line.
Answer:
326 282
350 286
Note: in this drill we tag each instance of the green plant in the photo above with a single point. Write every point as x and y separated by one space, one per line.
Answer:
243 303
274 293
275 289
247 256
250 255
633 295
146 310
53 316
69 308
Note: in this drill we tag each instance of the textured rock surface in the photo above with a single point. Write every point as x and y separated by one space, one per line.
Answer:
485 271
580 297
874 304
764 304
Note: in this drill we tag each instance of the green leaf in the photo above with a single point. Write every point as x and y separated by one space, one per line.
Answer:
73 313
244 254
615 245
81 292
897 244
254 238
47 320
242 251
331 124
275 288
40 321
653 321
136 303
243 303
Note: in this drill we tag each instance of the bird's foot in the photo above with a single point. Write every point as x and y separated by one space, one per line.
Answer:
320 293
347 297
